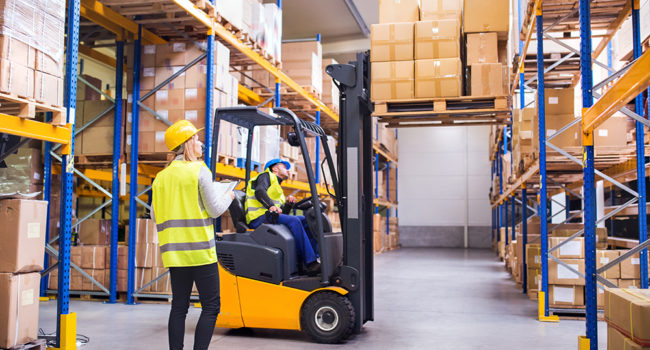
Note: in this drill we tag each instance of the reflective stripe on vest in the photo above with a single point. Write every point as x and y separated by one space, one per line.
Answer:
185 231
254 208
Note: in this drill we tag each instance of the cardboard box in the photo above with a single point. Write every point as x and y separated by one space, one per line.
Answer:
122 279
534 279
482 48
146 231
100 276
573 249
170 54
617 341
559 102
163 284
142 277
440 9
629 311
600 293
194 99
159 142
75 255
16 79
437 39
629 283
438 78
98 140
392 80
630 267
95 232
566 295
48 89
19 302
603 257
611 133
164 73
170 99
144 254
571 137
22 234
85 92
17 51
486 16
196 76
93 257
122 257
486 79
392 11
533 256
47 64
559 274
391 42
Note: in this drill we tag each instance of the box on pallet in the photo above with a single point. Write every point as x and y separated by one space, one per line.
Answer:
392 80
618 341
481 48
486 79
23 235
273 30
392 11
630 267
391 42
560 274
566 295
603 257
95 231
629 311
330 94
19 304
440 9
98 275
438 78
481 16
303 62
93 257
437 39
573 249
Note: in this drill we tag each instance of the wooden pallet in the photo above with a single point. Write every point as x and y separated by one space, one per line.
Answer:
26 107
444 111
38 344
570 313
228 160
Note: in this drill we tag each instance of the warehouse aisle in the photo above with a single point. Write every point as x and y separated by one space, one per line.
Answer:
425 298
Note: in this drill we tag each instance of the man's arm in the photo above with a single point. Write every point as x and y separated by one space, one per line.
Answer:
262 185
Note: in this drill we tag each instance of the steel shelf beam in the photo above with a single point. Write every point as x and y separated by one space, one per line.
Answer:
32 129
96 12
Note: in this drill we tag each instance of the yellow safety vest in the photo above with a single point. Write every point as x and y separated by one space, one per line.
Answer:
185 232
254 209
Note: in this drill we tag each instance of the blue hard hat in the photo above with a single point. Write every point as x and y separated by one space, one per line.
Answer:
275 161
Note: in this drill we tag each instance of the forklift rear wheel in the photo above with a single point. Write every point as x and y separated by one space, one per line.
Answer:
327 317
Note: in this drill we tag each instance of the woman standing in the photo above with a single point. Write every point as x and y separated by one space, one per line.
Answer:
184 202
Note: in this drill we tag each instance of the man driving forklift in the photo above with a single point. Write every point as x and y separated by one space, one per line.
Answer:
266 203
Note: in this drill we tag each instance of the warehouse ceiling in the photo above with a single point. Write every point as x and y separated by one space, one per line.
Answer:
341 35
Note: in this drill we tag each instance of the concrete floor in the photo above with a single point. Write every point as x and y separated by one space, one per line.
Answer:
425 298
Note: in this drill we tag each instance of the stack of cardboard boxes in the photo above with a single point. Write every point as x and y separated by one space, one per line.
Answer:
181 98
31 52
330 95
627 313
523 154
303 62
384 241
21 259
148 259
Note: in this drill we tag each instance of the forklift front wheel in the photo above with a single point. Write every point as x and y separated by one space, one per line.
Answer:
327 317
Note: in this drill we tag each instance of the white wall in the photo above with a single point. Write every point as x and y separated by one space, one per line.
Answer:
444 175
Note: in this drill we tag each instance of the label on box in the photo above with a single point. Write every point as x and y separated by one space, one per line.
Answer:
550 132
635 261
27 297
537 259
150 49
128 117
600 290
192 115
162 95
178 47
553 100
175 70
571 248
604 260
563 294
160 136
128 140
148 72
523 134
602 132
34 230
37 176
565 273
129 97
191 93
163 113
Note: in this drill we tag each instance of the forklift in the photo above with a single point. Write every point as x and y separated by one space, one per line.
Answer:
261 284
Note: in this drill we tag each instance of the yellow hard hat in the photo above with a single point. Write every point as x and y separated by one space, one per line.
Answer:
179 132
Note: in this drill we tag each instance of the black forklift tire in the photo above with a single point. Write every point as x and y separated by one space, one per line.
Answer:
327 317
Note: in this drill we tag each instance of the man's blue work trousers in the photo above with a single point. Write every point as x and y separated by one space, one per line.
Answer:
306 245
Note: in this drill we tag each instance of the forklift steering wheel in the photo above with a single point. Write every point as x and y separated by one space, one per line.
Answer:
303 204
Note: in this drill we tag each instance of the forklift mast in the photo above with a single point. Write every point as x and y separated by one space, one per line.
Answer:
355 169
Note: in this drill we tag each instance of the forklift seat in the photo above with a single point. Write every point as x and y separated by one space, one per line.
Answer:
237 212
